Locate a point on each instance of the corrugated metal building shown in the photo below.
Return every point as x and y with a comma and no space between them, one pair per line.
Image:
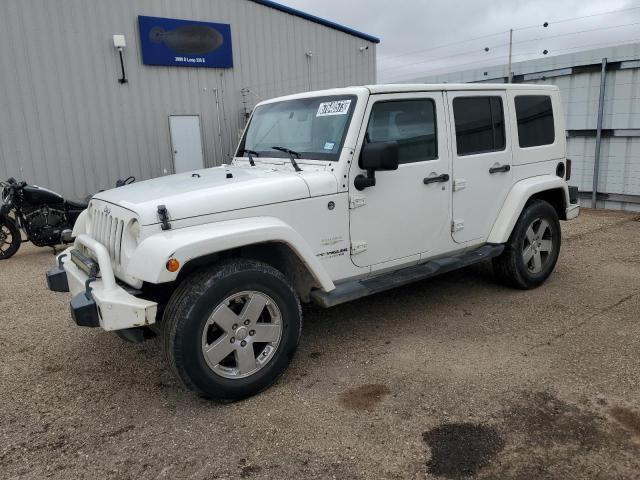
67,123
578,76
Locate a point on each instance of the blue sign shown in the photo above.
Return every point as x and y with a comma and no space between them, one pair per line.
185,43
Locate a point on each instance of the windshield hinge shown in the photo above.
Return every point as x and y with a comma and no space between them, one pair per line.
163,216
457,225
358,247
357,201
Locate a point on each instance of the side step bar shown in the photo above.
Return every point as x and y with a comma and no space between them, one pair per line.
355,289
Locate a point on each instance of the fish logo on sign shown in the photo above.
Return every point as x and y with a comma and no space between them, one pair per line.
188,39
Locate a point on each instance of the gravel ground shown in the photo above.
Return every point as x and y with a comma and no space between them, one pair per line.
454,377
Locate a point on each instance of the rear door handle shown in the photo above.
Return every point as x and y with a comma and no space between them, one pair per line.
501,168
440,178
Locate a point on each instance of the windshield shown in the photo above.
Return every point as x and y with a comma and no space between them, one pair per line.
313,127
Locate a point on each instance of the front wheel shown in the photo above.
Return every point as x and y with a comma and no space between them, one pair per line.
230,330
10,238
533,248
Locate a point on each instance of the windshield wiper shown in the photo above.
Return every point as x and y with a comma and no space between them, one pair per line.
291,154
251,153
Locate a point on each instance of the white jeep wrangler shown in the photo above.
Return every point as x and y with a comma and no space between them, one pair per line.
332,196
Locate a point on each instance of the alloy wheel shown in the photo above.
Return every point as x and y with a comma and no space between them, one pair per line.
242,334
538,245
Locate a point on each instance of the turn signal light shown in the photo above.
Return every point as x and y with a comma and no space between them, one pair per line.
173,265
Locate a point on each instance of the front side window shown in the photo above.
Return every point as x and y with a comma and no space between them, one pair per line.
412,123
479,124
535,120
314,127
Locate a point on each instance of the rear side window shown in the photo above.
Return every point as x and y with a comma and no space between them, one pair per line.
535,120
479,124
412,123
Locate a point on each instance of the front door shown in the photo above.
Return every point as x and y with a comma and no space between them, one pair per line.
482,173
401,216
186,143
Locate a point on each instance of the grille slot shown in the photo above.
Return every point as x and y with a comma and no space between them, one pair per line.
107,229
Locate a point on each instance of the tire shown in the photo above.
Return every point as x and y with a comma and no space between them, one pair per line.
10,239
532,251
206,313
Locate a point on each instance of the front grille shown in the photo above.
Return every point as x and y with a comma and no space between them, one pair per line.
107,229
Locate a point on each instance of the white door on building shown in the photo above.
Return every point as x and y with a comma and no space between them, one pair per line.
186,143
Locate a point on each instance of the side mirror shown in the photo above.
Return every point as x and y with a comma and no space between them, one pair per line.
376,156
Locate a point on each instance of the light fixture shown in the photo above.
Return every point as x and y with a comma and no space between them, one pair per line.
119,43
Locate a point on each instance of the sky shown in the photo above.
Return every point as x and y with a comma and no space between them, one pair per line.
427,37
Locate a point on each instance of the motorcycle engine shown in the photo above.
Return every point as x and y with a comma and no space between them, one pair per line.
45,224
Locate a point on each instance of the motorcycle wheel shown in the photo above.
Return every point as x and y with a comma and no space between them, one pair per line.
10,239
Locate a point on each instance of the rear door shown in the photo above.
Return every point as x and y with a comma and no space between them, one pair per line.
482,175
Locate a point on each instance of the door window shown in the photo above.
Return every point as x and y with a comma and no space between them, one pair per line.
479,124
412,123
535,120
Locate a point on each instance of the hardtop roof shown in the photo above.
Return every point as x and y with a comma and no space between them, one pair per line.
413,87
422,87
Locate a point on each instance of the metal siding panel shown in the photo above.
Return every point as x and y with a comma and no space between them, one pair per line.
68,124
580,150
620,166
9,102
21,107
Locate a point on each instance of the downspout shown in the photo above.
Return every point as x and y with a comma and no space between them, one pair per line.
215,91
596,158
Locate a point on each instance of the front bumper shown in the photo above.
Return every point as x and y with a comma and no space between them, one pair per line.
101,302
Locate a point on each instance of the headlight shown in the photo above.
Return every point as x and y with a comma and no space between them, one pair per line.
134,227
82,224
131,237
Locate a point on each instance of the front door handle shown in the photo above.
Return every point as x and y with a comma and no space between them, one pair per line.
440,178
501,168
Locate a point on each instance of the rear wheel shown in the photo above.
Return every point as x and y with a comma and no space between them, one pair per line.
230,330
532,251
10,239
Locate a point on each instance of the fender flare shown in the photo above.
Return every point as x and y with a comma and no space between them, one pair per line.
185,244
517,198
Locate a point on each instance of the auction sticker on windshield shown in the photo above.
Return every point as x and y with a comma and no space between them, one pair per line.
336,107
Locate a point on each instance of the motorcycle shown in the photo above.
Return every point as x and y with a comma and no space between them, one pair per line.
43,215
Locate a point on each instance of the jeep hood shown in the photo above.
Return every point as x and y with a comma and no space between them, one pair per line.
215,190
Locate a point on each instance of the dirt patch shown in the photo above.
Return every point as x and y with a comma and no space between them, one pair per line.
249,470
459,450
444,366
547,420
627,418
120,431
549,438
363,398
